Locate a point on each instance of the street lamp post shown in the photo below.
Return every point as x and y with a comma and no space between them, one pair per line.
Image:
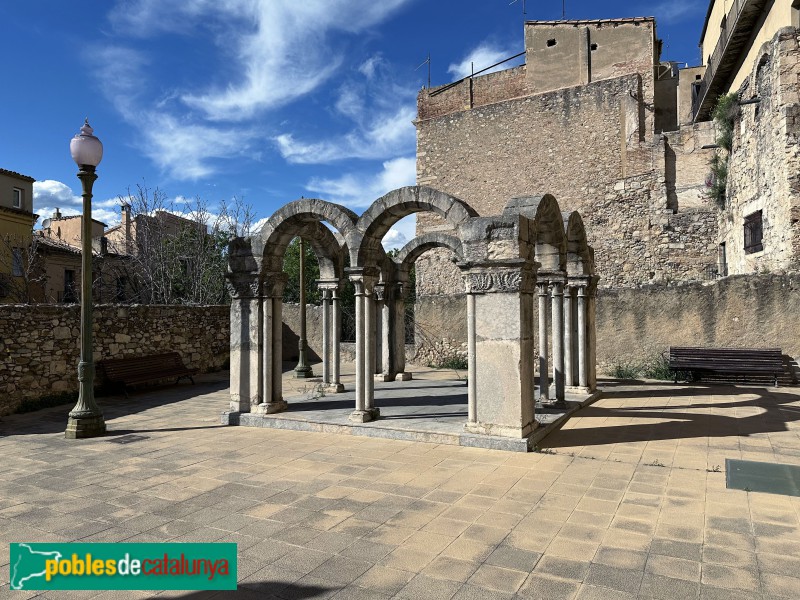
86,419
303,369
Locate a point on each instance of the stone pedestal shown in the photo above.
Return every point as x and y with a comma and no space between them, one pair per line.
502,375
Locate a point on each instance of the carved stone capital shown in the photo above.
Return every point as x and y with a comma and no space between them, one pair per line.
489,281
243,285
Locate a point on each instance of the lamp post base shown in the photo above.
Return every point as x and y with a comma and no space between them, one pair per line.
304,372
85,427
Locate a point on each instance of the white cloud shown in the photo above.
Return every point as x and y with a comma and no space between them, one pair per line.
370,66
403,232
279,49
484,55
50,194
274,51
360,190
386,135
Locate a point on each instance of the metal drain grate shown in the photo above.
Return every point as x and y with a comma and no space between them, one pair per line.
128,439
771,478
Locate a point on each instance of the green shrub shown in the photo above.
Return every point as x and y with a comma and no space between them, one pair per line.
455,362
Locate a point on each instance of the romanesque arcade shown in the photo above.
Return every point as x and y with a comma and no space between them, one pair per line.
530,287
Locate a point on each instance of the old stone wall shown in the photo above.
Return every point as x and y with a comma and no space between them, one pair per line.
643,204
764,166
635,325
39,344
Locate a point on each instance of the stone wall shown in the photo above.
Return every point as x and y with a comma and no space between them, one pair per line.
40,343
634,325
764,166
643,203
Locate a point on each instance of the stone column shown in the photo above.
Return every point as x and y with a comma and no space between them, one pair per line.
365,347
472,373
569,370
378,302
544,382
272,342
503,372
326,336
398,316
246,348
583,373
369,352
331,333
557,291
336,334
591,334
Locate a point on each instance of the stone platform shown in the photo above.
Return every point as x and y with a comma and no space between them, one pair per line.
422,410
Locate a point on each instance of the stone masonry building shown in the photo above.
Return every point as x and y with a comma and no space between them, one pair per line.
597,118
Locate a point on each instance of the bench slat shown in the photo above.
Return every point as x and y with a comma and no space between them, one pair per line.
140,369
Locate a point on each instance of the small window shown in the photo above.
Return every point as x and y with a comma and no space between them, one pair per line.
551,43
16,262
16,200
753,233
593,47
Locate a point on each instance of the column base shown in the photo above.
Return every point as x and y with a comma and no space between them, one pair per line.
499,430
303,373
361,416
545,404
579,389
85,427
385,377
270,408
405,376
334,388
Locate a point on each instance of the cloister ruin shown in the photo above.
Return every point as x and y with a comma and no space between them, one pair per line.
531,249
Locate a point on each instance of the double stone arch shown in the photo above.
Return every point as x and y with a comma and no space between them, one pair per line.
504,254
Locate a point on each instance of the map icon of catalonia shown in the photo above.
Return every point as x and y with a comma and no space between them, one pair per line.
29,565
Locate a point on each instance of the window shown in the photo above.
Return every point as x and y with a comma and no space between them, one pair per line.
796,13
70,294
16,262
753,233
551,43
16,199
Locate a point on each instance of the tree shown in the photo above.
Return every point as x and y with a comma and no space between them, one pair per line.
178,250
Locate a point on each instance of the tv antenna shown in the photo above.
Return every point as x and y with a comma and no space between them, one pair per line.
427,61
524,12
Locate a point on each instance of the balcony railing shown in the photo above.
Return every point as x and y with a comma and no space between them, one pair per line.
735,31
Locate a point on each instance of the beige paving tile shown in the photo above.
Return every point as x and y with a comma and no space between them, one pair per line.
453,569
498,578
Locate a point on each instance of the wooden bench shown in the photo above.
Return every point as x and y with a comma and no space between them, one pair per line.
726,361
141,369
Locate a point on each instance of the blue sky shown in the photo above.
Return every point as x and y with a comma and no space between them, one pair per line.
262,99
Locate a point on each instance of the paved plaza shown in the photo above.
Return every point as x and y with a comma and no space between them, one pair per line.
628,500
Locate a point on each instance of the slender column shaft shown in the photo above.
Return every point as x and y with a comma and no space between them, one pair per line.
369,351
377,307
277,349
472,363
569,366
583,373
544,383
591,337
360,347
387,355
326,336
303,369
336,325
268,349
558,340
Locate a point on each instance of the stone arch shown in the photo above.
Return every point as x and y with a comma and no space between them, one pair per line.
305,218
578,259
387,210
421,244
547,229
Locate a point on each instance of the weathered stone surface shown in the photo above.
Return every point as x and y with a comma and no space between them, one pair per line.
40,343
